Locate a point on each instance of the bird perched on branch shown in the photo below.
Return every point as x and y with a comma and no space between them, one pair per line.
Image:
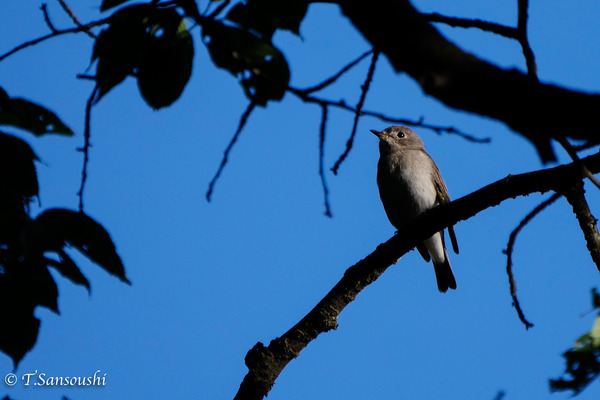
410,183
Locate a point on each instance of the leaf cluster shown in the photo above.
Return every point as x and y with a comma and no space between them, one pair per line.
152,43
30,246
583,360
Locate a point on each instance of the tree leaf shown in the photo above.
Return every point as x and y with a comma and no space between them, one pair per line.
67,268
19,326
166,62
29,116
17,169
262,68
266,16
107,4
87,235
119,47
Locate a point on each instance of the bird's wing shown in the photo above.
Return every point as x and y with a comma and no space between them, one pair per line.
443,198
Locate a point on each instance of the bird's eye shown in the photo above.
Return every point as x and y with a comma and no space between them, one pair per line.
401,134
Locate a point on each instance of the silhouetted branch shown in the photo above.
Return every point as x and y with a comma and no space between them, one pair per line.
266,363
233,141
509,252
575,195
492,27
575,157
358,112
335,77
523,41
74,18
463,81
55,33
519,33
342,105
86,144
44,8
322,161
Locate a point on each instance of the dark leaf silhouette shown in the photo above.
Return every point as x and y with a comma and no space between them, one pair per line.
67,268
82,232
266,16
165,65
118,48
18,178
29,116
261,67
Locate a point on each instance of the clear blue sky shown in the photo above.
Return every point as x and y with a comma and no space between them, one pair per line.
212,279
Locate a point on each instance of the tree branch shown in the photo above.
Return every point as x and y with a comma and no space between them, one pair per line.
509,250
322,131
358,112
266,363
462,81
86,144
55,33
575,195
242,123
300,93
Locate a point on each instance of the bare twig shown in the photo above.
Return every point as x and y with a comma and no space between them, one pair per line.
265,363
358,112
86,145
509,252
523,41
218,10
335,77
342,105
74,18
575,195
575,157
321,160
519,33
44,8
492,27
233,141
56,33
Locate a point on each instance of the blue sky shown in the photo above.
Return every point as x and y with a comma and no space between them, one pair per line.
212,279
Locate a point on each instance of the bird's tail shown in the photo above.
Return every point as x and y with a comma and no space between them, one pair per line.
443,274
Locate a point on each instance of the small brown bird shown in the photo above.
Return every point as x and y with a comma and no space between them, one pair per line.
410,183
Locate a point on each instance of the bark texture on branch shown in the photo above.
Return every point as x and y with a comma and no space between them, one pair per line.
587,222
266,363
462,81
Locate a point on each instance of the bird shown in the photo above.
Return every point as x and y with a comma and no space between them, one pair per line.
410,183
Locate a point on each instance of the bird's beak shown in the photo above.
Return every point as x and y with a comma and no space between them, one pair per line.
376,133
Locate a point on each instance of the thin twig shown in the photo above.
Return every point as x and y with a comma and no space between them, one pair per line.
519,33
234,139
74,18
342,105
522,38
509,251
44,8
492,27
321,160
335,77
575,157
358,112
86,145
58,32
218,10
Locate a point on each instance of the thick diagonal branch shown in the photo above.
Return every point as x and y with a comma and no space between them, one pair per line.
462,81
266,363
